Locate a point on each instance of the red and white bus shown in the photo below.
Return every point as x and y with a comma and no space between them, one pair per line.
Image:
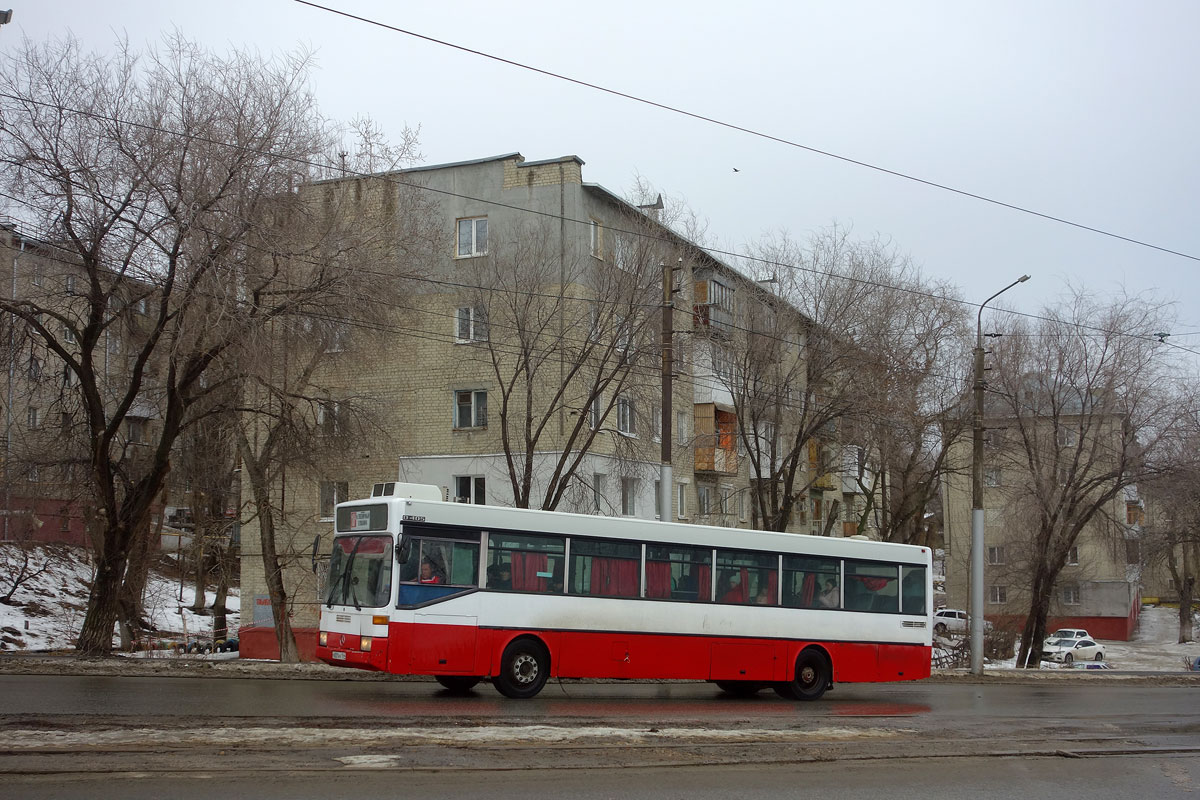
417,586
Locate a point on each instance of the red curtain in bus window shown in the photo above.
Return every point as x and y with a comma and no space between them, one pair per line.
615,577
773,586
872,583
704,578
525,569
808,590
658,579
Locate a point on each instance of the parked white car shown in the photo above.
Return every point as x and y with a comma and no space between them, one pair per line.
953,620
1066,633
1068,651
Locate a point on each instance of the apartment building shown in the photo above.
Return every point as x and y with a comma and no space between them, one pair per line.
1099,586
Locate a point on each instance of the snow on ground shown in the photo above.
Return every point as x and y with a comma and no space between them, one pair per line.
1153,648
46,611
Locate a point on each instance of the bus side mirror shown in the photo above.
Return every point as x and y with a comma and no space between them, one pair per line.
404,551
316,549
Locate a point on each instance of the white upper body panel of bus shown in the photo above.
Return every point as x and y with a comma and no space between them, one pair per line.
402,510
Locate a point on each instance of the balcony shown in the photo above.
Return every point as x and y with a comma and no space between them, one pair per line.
716,440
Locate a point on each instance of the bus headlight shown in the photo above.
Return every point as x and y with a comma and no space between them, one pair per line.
324,638
365,644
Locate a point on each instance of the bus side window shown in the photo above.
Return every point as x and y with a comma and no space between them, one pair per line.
912,590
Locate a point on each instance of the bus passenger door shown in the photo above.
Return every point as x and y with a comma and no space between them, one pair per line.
443,644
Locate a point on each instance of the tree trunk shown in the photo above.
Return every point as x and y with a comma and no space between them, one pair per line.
133,587
96,634
219,609
1186,593
1034,631
288,652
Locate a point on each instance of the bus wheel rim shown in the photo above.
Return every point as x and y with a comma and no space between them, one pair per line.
525,668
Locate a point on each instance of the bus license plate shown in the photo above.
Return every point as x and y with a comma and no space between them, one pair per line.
338,655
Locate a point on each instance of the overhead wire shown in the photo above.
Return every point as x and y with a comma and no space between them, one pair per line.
742,129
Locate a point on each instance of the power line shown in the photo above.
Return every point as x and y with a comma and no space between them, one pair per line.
750,131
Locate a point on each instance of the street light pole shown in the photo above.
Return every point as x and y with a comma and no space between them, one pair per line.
976,607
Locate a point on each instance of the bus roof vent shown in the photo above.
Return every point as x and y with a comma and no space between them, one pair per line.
416,491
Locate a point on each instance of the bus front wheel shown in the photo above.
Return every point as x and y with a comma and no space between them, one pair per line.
813,676
458,683
524,668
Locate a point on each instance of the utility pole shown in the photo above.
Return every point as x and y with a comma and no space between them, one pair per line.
666,484
976,607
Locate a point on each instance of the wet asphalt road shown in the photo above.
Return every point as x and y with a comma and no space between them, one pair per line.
80,736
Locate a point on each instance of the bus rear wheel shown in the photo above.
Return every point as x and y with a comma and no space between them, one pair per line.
458,683
740,688
524,668
813,677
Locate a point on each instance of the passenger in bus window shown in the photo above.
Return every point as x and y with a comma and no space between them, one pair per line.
730,589
429,574
499,576
829,598
763,598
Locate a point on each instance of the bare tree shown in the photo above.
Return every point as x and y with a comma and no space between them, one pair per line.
351,243
1087,398
569,344
154,174
802,368
913,345
1171,529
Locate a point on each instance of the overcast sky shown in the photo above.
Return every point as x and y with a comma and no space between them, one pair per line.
1082,110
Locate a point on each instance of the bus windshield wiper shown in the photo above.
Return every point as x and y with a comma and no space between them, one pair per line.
344,579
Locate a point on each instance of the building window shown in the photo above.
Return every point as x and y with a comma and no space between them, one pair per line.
470,489
656,422
1133,551
704,501
726,499
995,555
68,335
596,235
69,376
35,368
472,237
37,275
332,493
720,295
1073,556
470,409
992,476
33,418
681,499
1067,437
658,500
471,325
1133,514
595,413
135,430
628,496
997,594
626,421
31,475
598,492
1070,594
70,284
327,417
681,427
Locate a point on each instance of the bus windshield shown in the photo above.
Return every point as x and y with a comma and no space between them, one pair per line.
360,571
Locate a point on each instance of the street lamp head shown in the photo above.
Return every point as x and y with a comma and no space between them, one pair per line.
1022,279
